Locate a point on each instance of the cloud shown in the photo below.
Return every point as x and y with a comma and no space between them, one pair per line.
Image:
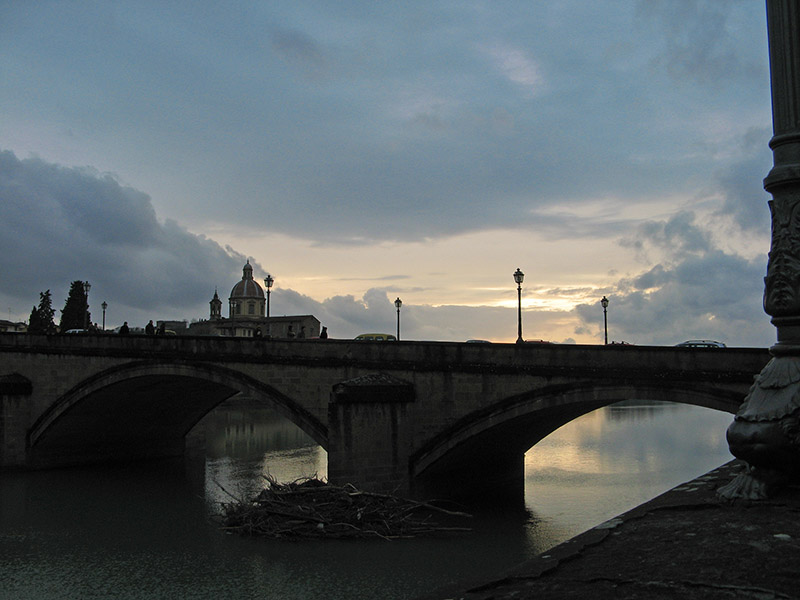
740,183
696,291
517,66
59,224
698,40
300,49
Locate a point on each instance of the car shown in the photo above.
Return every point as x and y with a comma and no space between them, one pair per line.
700,344
376,337
72,331
478,342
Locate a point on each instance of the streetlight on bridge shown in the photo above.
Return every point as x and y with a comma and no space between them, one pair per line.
604,302
398,303
518,277
268,281
86,287
104,306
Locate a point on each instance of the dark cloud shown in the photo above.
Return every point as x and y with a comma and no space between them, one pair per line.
679,235
741,184
60,224
699,43
301,50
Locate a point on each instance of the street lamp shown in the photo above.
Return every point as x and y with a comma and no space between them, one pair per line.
268,281
86,287
398,303
604,302
104,305
518,277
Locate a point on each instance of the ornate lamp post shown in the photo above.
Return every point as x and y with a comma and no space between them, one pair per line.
518,277
398,303
86,287
604,302
764,430
104,306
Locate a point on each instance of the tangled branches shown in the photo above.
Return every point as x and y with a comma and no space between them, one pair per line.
310,508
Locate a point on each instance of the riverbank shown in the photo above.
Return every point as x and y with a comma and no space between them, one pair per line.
683,544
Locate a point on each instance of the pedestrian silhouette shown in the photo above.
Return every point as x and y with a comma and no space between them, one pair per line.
302,333
150,329
124,330
323,335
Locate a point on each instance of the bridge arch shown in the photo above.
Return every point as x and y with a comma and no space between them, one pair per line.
145,409
482,442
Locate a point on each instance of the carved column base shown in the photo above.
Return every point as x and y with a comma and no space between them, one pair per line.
765,432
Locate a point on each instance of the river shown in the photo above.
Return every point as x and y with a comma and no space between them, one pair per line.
144,531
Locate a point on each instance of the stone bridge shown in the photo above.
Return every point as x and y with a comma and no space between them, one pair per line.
408,416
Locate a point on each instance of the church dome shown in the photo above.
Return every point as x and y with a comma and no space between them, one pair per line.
247,287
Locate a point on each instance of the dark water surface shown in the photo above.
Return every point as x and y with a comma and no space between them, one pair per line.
145,531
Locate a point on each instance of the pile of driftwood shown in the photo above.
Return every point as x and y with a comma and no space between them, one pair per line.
311,508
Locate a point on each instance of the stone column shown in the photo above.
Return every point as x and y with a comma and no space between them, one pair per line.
766,430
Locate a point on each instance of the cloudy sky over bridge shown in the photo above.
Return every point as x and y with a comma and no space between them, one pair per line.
361,151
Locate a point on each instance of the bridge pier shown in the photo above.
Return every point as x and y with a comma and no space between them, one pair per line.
369,433
15,391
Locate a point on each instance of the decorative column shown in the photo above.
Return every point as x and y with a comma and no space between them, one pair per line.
766,430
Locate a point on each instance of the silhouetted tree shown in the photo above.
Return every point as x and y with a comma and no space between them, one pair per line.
75,314
41,319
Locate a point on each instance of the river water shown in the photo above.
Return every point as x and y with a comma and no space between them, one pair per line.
145,532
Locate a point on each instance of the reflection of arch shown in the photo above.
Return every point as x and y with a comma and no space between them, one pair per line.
504,431
146,409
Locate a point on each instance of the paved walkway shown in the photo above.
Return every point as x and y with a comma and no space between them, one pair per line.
683,544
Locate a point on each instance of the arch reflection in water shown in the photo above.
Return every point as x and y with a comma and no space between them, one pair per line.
615,458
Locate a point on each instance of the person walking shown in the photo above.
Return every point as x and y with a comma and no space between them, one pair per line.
149,329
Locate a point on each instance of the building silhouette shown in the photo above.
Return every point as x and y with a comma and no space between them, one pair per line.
247,315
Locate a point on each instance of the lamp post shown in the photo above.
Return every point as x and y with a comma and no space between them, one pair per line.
268,281
104,306
398,303
604,302
518,277
86,287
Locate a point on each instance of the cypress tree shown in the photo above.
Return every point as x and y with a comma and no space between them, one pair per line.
41,319
75,314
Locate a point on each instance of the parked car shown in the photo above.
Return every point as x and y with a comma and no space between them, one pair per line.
700,344
377,337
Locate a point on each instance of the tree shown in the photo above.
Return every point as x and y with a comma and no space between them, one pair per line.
41,319
75,314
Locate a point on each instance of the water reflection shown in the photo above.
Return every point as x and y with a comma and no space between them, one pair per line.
613,459
143,531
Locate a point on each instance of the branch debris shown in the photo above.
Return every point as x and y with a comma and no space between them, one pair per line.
309,508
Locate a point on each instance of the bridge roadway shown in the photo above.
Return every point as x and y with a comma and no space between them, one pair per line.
408,416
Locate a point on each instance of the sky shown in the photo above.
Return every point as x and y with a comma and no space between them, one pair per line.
364,151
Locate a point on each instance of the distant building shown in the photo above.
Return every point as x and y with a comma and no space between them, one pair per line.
179,327
247,315
12,327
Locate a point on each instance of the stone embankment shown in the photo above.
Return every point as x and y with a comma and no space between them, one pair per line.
683,544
